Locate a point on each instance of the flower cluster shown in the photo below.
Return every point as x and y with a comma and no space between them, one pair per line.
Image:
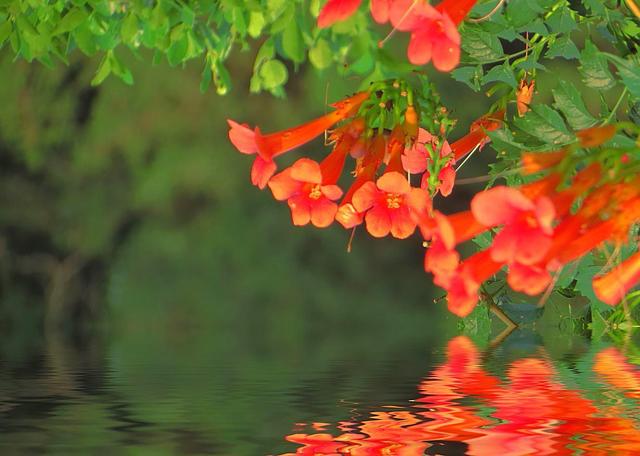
538,227
537,233
532,412
433,30
380,131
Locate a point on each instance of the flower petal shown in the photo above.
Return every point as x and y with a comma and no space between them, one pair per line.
545,213
419,203
380,10
323,212
283,186
407,15
402,225
378,222
442,262
337,10
420,48
300,210
348,217
261,171
242,137
531,280
333,192
447,177
393,182
446,48
306,170
414,159
499,205
365,197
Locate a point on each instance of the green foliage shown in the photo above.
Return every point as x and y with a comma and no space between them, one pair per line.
579,52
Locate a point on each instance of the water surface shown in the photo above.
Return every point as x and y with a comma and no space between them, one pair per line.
188,392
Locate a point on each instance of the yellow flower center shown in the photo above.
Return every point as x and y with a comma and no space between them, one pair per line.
393,200
315,192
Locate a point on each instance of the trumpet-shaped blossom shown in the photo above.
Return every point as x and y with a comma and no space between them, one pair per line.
526,236
524,95
477,136
612,287
389,204
463,288
528,279
595,136
309,197
267,147
533,162
434,35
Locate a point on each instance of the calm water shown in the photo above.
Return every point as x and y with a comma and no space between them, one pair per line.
130,393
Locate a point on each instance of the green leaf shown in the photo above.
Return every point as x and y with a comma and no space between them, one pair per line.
563,47
120,70
178,47
629,72
481,45
273,74
594,68
502,141
266,52
292,42
522,12
503,73
256,24
70,21
320,55
562,21
5,31
545,124
129,29
469,75
104,70
569,101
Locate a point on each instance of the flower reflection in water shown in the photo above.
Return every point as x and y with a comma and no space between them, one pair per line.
463,409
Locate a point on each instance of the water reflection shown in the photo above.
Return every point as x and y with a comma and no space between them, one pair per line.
163,392
531,406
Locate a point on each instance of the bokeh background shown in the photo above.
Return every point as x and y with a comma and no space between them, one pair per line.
144,280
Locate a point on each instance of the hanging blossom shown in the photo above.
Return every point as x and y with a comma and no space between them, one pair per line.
398,164
267,147
434,30
389,204
539,234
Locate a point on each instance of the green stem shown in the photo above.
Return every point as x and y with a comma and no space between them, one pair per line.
617,105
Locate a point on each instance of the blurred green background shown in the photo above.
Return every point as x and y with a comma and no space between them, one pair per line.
129,204
154,302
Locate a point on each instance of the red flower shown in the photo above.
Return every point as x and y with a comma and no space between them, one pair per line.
389,204
380,10
434,36
442,262
531,280
373,157
477,136
462,292
457,10
612,287
524,95
533,162
526,236
267,147
595,136
337,10
310,198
